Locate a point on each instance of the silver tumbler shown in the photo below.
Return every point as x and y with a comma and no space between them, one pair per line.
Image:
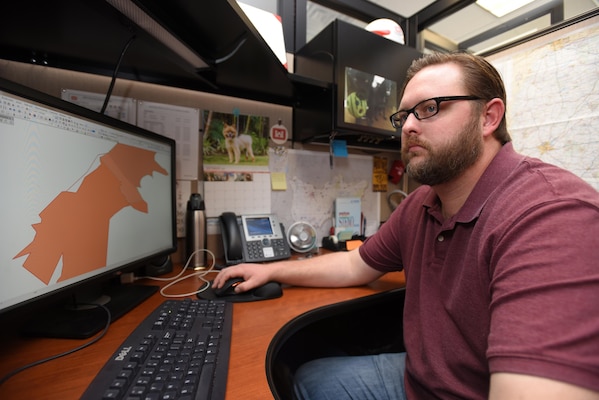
195,232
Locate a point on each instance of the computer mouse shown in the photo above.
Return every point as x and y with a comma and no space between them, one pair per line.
228,289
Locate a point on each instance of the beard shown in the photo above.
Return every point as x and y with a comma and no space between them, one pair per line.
448,162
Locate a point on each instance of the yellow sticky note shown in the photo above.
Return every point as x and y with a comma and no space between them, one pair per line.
278,180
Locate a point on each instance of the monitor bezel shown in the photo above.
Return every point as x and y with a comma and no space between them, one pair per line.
54,296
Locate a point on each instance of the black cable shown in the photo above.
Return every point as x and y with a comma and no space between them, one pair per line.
54,357
240,43
115,72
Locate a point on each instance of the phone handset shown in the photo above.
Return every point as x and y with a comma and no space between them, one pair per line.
231,234
253,238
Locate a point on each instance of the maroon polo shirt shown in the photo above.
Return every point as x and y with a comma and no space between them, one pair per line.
508,284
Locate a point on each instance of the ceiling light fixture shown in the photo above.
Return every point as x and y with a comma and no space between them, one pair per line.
499,8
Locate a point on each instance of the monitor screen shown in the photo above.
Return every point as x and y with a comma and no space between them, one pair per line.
369,100
83,196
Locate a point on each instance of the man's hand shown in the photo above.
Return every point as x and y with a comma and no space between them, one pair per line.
253,275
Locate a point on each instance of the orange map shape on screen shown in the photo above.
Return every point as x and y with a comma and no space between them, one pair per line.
75,225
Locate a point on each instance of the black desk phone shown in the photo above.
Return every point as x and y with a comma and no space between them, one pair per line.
253,238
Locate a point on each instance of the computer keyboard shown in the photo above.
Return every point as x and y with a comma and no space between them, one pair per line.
180,351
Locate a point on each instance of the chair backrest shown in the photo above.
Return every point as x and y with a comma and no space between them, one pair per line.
367,325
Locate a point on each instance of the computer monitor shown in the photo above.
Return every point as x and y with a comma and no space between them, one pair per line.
85,197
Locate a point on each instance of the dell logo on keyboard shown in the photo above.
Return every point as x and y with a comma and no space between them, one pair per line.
123,353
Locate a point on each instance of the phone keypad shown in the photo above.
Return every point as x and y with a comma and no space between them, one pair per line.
265,249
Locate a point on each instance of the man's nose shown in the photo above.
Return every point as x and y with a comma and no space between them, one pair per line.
410,124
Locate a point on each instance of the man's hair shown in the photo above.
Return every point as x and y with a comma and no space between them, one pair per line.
481,79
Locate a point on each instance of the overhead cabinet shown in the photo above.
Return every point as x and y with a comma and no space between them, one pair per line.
365,72
199,45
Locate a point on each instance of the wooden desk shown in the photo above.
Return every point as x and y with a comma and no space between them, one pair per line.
254,325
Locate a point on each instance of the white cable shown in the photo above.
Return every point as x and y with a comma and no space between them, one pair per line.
176,279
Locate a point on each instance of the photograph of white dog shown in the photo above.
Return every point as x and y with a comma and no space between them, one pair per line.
235,141
236,144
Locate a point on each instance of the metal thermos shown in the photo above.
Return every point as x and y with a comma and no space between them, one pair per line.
195,228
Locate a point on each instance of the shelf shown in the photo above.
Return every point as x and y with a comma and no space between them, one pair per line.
219,30
90,35
230,56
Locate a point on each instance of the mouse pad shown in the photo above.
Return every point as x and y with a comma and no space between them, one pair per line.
271,290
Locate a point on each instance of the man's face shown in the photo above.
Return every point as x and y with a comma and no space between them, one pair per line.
436,150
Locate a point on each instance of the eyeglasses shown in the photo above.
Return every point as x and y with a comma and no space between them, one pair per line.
425,109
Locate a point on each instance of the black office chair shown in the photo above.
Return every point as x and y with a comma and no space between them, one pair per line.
367,325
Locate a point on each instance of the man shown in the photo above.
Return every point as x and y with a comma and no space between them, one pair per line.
500,253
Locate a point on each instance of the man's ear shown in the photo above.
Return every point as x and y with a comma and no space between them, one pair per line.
494,111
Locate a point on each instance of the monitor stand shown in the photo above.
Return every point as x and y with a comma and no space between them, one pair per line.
84,321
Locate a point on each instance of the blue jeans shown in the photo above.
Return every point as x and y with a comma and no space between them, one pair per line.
379,377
